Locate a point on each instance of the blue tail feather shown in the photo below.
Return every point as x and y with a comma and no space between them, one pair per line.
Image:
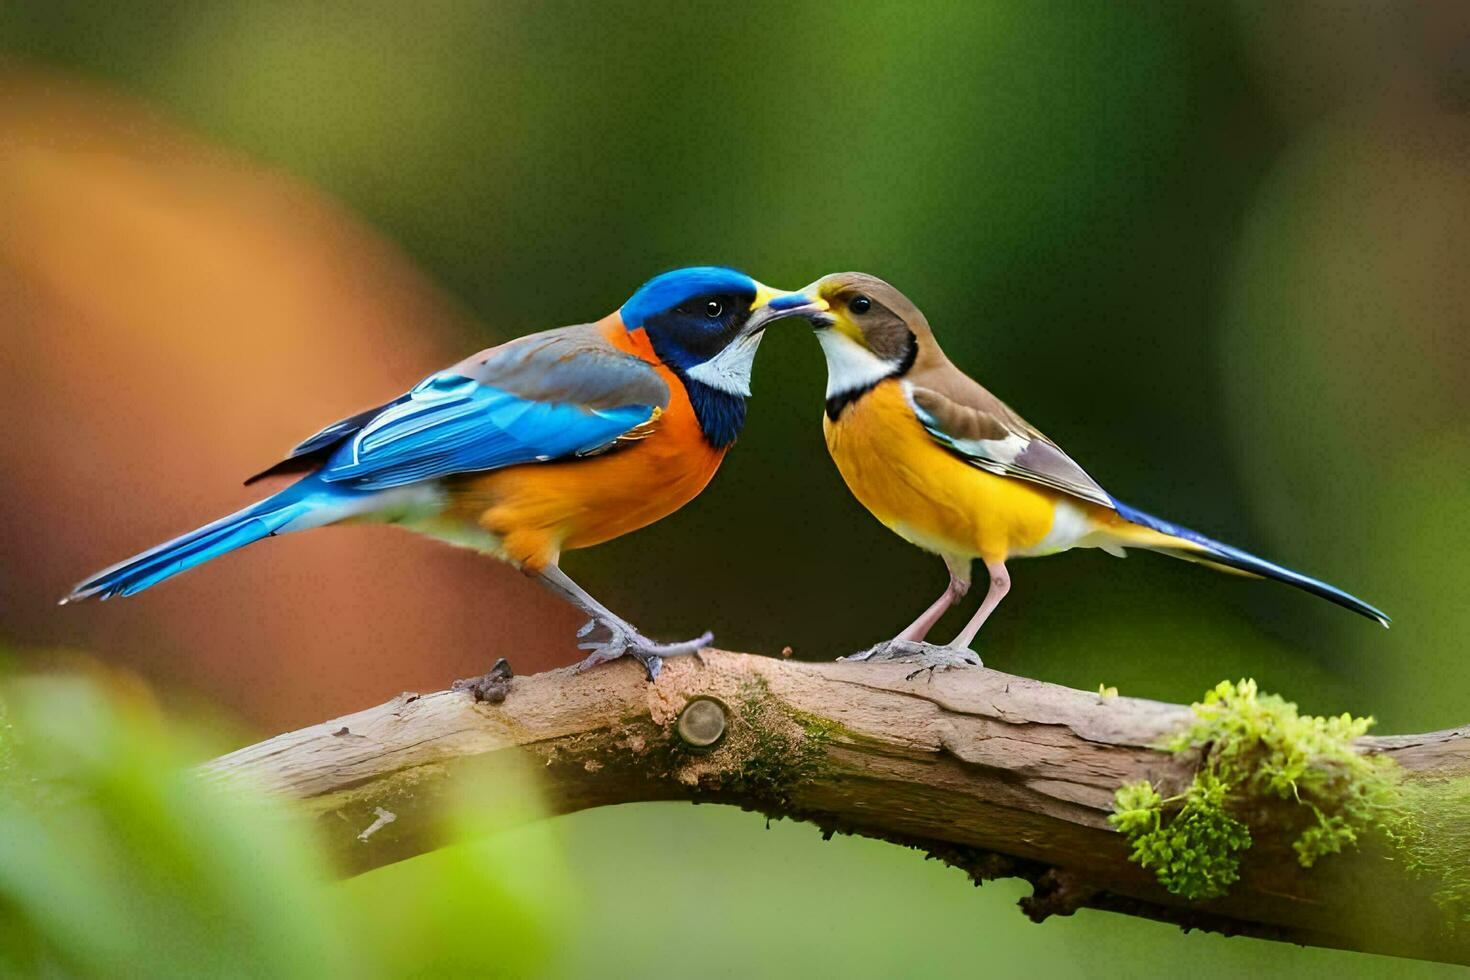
142,571
1223,554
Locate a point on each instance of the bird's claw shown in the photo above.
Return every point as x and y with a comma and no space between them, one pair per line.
926,655
622,640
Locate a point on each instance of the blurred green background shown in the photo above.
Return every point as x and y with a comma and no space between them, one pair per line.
1217,251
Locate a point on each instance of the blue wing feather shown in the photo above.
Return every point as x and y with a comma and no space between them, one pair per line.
453,424
549,395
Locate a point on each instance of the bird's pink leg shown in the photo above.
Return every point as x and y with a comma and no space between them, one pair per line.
909,646
959,584
1000,584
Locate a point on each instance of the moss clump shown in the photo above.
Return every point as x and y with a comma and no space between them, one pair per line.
1255,747
1193,853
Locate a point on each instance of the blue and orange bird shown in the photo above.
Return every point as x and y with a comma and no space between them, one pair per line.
550,442
949,467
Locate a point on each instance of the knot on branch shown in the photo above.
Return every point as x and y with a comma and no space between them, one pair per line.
702,722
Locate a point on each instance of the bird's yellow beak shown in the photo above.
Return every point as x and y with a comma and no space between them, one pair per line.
818,291
771,305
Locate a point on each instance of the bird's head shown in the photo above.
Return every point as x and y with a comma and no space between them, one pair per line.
705,322
868,330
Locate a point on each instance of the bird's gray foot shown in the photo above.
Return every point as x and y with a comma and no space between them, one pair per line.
926,656
609,639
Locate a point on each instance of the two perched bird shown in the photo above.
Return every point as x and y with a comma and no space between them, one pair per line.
574,436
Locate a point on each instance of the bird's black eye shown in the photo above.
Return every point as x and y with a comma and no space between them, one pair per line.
713,309
860,304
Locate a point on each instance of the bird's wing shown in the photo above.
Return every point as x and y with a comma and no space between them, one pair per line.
982,430
548,396
315,449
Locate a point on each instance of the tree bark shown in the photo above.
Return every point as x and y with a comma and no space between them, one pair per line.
995,774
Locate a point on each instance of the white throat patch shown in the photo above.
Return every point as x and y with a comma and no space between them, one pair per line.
850,365
729,370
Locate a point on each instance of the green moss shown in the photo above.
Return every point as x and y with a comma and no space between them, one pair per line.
1193,853
785,747
1255,747
821,730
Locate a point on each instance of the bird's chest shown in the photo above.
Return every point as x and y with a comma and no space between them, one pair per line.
886,458
584,501
923,492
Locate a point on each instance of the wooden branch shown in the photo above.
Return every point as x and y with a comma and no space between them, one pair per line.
998,775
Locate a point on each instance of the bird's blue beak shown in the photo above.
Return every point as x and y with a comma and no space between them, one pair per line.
789,301
771,305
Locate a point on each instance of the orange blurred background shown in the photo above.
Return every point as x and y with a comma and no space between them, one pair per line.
176,318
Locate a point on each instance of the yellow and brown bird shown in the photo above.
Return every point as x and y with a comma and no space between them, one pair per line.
951,468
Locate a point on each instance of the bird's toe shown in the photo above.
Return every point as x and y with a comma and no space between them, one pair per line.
926,656
609,640
682,648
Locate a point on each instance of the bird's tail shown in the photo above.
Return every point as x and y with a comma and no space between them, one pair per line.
1142,530
296,506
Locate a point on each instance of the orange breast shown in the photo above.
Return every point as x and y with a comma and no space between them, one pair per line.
539,510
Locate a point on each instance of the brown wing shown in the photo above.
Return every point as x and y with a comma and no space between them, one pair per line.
984,431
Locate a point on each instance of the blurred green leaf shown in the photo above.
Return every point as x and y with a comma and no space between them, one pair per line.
115,857
123,857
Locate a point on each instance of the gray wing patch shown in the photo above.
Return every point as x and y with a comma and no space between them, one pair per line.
570,365
1001,442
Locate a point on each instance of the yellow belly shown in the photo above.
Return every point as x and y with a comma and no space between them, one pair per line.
923,492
